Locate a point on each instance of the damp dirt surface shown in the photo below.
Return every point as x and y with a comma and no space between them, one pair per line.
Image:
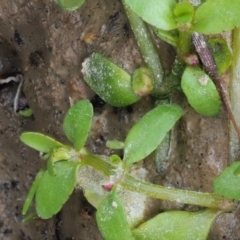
48,45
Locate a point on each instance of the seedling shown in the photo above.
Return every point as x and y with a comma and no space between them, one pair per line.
26,112
186,21
53,185
176,23
180,24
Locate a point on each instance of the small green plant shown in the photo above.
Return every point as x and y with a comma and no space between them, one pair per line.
53,185
180,24
196,70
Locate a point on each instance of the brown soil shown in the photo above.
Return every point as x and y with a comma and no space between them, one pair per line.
48,46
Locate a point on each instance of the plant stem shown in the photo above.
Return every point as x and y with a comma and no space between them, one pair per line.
162,151
234,151
210,65
184,44
174,77
96,162
147,48
209,200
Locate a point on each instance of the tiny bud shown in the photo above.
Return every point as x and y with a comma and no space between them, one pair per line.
192,60
142,82
107,186
115,159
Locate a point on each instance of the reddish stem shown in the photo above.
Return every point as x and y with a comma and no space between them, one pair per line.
211,67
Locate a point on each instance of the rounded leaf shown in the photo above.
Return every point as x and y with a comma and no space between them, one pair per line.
112,220
201,92
183,13
216,16
176,225
40,142
70,5
53,191
110,82
155,12
77,122
227,183
147,134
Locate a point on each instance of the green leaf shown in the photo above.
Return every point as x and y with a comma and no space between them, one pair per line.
110,82
40,142
147,134
115,159
114,144
227,183
171,37
216,16
26,113
32,192
183,13
201,92
53,191
112,220
155,12
221,53
77,123
58,154
176,225
70,5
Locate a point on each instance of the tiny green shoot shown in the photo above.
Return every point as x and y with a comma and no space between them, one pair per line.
26,112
